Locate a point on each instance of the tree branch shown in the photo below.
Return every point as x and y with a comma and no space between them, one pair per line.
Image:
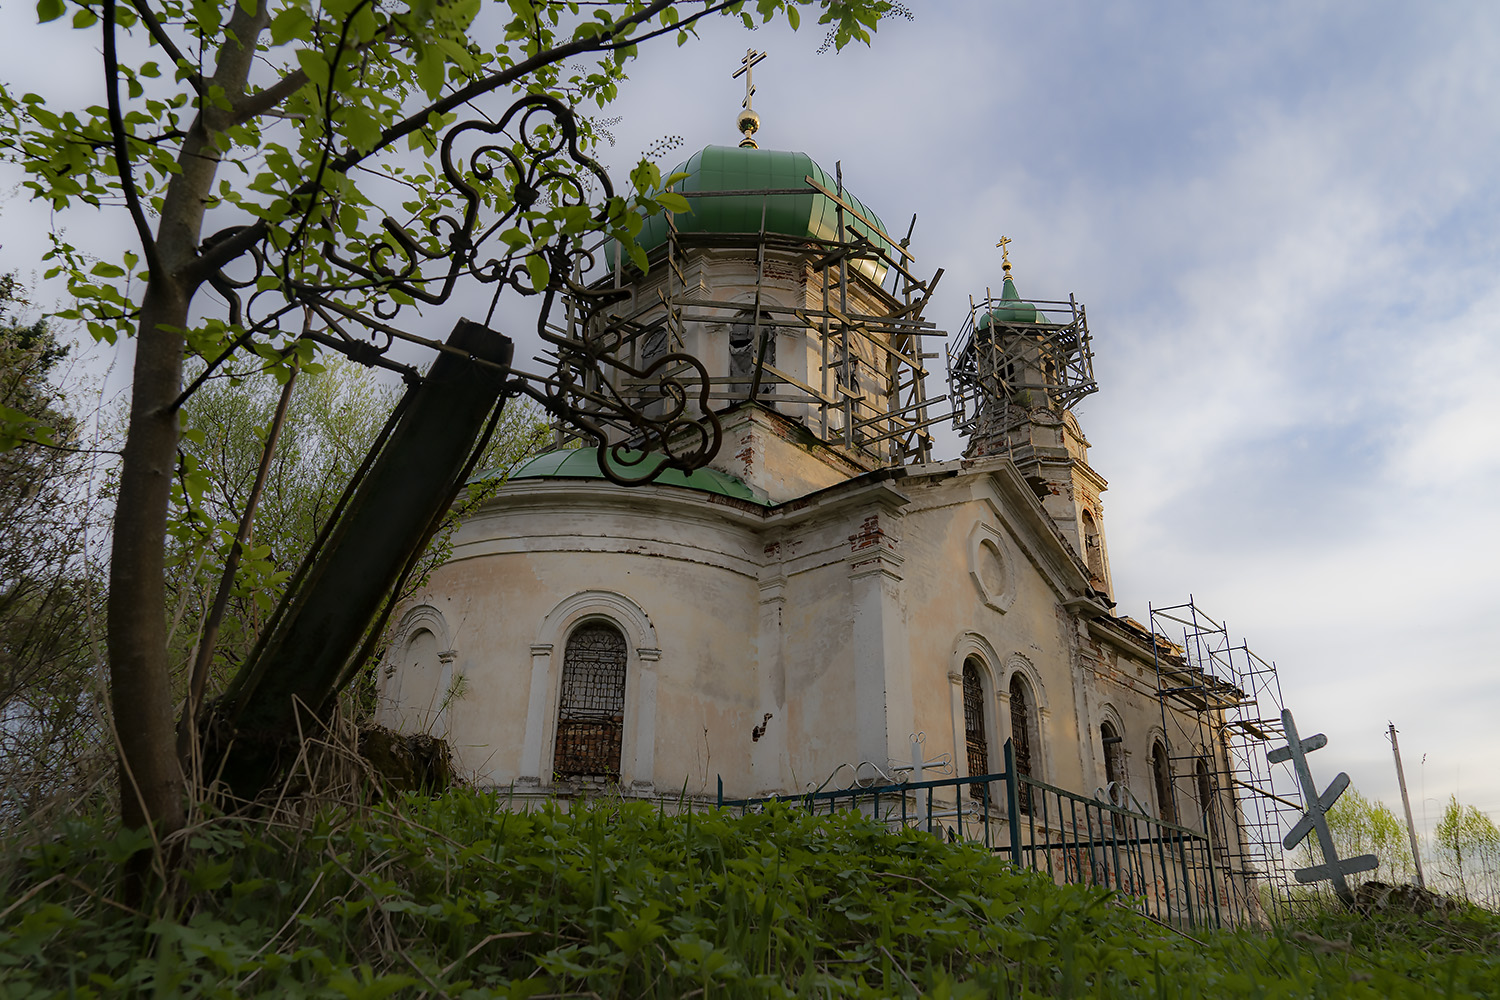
496,80
121,140
160,36
259,103
227,250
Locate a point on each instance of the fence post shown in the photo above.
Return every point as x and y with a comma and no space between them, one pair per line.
721,790
1012,803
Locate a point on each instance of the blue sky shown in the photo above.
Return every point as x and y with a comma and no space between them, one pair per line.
1283,220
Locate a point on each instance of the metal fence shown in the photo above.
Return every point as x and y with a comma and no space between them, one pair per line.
1167,872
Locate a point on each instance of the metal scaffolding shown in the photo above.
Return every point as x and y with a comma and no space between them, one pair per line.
863,388
1011,357
1221,712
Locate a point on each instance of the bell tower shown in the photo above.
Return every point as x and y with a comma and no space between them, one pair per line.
1015,371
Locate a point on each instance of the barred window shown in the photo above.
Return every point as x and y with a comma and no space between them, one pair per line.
975,735
1021,731
1161,771
591,710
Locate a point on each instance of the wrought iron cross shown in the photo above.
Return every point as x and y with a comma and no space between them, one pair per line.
747,65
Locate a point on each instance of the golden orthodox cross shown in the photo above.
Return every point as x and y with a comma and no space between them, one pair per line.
1004,245
746,65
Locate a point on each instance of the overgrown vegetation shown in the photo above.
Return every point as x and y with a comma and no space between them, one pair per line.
457,896
50,593
334,414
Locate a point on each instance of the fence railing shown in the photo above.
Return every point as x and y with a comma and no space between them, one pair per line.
1168,872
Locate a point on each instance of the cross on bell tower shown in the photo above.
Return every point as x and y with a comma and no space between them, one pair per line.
748,122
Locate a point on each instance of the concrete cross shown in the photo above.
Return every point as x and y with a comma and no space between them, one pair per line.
1333,868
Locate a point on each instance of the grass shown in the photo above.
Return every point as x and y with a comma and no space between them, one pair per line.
456,896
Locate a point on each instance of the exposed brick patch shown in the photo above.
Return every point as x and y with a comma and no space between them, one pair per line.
869,533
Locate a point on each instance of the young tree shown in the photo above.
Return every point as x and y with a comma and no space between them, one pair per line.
1468,850
282,120
332,417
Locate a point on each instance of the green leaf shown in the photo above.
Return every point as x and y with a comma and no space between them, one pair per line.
291,22
536,266
432,70
673,202
49,10
312,63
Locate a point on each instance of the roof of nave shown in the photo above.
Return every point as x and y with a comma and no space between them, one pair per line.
583,463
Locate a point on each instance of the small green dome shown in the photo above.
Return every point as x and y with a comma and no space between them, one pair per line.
1011,308
737,168
583,463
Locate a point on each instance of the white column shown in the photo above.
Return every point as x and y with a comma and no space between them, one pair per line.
537,702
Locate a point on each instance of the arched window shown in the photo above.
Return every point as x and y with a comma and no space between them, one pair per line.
1161,772
1114,766
976,733
1022,734
744,344
1093,548
591,708
1207,801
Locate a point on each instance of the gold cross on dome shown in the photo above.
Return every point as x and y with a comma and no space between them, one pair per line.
1004,245
746,65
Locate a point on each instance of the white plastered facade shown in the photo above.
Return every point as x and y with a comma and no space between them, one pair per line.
773,642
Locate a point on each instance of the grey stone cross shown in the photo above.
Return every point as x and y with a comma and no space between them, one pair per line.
1333,868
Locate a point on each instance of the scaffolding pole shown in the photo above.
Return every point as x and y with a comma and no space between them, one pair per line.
1221,711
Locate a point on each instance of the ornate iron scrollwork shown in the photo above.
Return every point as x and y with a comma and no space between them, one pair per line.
502,178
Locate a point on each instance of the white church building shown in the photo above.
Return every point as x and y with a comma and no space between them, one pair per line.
825,590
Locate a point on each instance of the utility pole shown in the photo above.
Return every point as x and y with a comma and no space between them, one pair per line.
1411,828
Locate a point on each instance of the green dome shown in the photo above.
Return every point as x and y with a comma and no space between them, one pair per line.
583,463
736,168
1011,308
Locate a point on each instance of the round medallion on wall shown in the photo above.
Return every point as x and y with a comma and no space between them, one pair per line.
990,567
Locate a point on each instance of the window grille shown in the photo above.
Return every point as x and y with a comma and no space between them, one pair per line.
974,729
1020,735
591,713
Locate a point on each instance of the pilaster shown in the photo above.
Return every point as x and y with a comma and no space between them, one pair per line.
536,716
883,701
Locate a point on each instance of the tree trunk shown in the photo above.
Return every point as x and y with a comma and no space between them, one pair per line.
151,786
151,778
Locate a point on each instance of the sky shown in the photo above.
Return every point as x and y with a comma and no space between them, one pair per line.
1284,220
